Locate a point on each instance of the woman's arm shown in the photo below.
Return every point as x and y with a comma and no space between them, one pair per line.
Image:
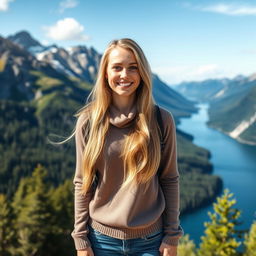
169,182
86,252
81,202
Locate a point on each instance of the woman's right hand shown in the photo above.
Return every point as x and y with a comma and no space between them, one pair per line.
85,252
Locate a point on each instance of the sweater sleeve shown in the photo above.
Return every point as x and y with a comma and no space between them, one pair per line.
169,181
81,202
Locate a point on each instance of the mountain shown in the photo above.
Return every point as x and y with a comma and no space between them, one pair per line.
235,114
36,101
82,62
79,61
232,104
235,88
26,41
202,91
212,90
25,78
16,79
172,100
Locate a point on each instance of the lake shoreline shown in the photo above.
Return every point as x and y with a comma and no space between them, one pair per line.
208,201
234,162
236,139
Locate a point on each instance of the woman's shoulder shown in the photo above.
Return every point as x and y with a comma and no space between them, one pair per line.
84,113
83,116
167,117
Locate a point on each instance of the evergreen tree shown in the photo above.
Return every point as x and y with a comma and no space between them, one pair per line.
62,202
33,214
186,247
250,241
220,235
7,233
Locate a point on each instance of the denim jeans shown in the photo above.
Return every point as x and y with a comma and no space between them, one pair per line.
103,245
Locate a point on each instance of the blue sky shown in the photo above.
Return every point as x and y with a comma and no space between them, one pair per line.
183,40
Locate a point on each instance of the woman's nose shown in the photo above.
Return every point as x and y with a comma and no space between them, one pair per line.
123,73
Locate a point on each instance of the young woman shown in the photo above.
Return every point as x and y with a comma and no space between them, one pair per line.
123,204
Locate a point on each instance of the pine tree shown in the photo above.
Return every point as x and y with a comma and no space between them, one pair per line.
186,247
33,214
7,233
62,203
220,234
250,241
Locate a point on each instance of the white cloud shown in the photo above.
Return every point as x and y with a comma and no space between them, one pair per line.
66,30
230,9
4,5
177,74
67,4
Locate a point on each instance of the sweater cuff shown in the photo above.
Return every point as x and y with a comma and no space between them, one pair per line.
81,243
170,240
173,239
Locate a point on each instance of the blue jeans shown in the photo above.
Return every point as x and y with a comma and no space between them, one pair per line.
103,245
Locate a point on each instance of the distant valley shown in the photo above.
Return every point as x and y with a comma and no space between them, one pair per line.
232,104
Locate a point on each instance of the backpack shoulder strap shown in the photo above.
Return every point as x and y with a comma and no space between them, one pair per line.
161,134
161,125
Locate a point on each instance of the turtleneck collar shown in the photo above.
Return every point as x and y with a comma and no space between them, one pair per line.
120,119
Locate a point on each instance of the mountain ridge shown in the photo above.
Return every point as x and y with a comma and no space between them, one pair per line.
231,107
82,63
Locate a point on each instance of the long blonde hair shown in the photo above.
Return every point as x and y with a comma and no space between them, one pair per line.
141,149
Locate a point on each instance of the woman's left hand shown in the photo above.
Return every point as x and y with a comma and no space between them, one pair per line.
168,250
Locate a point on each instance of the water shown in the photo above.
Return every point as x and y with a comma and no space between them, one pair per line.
234,162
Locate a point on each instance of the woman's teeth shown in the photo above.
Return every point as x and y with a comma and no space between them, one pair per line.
124,84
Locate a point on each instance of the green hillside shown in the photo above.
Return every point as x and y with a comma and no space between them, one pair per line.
228,113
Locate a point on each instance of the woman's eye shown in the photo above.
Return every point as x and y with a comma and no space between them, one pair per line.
117,68
133,68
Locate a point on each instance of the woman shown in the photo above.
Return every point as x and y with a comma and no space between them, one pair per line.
123,204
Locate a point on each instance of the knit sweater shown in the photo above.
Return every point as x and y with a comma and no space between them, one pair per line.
133,211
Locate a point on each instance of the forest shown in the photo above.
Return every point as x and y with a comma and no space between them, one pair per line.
38,220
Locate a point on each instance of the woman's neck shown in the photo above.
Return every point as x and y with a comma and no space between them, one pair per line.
123,104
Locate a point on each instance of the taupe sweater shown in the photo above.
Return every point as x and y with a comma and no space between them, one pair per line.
131,212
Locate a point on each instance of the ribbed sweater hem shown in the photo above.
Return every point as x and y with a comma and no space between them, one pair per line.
81,243
126,233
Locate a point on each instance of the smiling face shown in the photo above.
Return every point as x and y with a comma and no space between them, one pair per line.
122,73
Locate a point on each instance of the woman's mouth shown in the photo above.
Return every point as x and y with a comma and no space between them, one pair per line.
124,84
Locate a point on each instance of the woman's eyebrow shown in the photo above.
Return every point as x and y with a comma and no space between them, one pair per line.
119,63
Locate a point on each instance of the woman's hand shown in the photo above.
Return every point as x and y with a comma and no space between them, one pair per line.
85,252
168,250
